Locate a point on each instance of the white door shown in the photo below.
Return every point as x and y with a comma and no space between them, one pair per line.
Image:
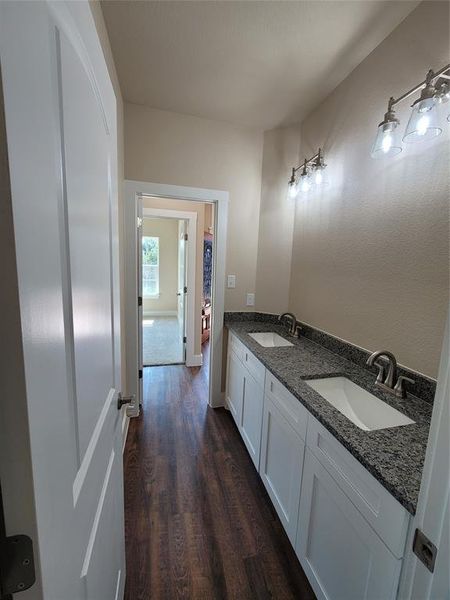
433,508
60,114
281,465
138,222
182,289
251,416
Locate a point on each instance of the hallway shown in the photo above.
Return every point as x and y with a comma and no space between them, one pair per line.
198,521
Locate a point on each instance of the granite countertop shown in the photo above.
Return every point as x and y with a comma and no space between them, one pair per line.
394,456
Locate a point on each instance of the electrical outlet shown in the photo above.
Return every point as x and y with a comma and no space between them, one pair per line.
231,283
250,299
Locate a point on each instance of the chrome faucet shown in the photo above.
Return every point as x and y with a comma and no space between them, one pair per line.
391,382
295,327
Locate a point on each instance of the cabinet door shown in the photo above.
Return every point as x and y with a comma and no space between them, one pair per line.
251,416
341,554
281,466
235,386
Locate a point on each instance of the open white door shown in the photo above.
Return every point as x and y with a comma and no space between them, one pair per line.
60,114
182,287
140,303
432,582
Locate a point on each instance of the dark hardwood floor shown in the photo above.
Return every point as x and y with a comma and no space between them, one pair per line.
199,523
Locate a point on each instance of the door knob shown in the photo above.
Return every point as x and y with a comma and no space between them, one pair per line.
121,400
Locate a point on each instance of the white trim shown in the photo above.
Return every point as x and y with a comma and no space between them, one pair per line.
135,189
197,361
191,218
159,313
125,426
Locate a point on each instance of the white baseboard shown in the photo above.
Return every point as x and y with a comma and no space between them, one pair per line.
196,360
160,313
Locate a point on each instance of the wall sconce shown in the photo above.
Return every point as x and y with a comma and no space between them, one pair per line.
312,175
423,123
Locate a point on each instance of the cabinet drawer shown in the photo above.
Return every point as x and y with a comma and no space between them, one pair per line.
291,408
380,509
236,346
256,368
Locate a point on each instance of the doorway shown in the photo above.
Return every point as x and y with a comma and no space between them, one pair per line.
164,290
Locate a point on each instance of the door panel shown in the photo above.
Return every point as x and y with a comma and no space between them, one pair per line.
281,465
235,387
251,416
62,146
341,554
87,167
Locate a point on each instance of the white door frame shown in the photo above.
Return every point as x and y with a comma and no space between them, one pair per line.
133,190
192,359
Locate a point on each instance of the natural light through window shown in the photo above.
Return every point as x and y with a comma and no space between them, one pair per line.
150,266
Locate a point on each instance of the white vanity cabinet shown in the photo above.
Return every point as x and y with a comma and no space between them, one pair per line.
245,394
348,531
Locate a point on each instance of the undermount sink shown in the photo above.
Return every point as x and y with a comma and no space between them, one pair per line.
269,339
363,409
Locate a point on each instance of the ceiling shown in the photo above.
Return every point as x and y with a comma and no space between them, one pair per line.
260,64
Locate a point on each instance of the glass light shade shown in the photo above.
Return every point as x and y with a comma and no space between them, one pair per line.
386,142
423,122
293,189
305,183
319,176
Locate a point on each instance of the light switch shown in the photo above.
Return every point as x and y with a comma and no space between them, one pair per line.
231,283
250,299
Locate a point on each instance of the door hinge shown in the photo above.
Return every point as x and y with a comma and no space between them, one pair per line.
425,550
185,289
139,222
16,561
184,339
140,373
139,300
17,565
186,237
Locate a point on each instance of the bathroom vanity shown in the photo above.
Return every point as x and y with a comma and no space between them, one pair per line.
344,493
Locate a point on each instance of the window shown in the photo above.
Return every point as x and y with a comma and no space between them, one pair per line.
150,266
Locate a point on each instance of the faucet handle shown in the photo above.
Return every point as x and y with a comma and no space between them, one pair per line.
381,372
399,388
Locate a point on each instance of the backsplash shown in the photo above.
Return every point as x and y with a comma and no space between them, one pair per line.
424,388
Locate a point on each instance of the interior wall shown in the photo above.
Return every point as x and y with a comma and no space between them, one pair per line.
370,257
166,147
199,208
276,221
167,232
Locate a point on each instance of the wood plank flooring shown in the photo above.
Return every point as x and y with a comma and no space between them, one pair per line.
198,521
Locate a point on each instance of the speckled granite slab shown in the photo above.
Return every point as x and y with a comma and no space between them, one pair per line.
394,456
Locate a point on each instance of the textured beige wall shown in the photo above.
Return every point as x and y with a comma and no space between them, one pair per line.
165,147
276,222
167,232
199,208
371,254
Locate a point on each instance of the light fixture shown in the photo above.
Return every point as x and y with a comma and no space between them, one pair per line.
386,142
424,120
312,174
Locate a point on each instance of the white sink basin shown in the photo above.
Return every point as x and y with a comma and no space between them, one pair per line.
268,339
363,409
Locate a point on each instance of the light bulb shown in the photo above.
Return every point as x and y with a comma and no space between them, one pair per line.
422,124
305,185
387,142
318,178
292,190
